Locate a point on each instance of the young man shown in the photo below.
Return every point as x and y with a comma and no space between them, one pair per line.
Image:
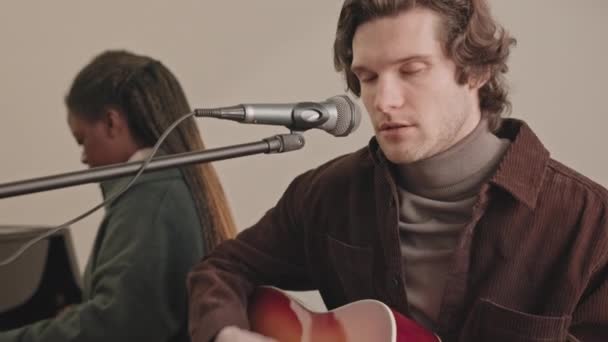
452,216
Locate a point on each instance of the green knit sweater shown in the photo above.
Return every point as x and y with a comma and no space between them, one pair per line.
135,280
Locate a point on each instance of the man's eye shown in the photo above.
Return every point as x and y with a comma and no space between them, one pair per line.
412,71
366,77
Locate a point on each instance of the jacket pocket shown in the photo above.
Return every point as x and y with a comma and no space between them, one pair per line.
494,322
353,265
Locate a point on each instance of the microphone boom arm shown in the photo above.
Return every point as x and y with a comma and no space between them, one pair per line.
275,144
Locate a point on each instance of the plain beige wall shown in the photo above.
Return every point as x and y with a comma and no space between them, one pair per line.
229,52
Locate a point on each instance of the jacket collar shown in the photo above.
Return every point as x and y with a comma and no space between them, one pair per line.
521,170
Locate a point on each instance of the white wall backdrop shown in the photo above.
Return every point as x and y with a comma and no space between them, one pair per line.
229,52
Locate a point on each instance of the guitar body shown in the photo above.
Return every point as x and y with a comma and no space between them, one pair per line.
275,314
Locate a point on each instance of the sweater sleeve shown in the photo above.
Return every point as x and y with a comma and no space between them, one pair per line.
138,282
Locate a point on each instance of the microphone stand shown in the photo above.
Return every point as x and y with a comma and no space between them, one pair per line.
275,144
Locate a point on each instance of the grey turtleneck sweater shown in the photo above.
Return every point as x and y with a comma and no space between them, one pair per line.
436,201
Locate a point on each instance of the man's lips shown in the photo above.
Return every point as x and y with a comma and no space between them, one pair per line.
388,126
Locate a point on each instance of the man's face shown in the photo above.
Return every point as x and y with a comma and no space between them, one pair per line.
409,87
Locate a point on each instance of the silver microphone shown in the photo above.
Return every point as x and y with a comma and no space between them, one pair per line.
338,115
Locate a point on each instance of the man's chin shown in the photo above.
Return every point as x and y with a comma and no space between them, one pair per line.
401,157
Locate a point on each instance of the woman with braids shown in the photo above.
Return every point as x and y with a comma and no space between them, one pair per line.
135,279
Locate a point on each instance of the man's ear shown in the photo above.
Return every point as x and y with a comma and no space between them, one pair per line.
115,122
479,79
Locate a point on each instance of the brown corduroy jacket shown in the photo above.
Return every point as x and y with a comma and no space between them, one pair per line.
531,265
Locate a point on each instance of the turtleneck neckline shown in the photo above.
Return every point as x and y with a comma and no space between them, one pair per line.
455,172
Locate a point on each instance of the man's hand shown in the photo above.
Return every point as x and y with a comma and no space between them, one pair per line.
234,334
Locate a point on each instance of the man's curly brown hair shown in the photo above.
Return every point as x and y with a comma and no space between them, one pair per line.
471,37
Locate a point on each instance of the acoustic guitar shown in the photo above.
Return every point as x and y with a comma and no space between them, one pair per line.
275,314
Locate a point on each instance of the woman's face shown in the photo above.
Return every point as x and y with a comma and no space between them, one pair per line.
102,141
